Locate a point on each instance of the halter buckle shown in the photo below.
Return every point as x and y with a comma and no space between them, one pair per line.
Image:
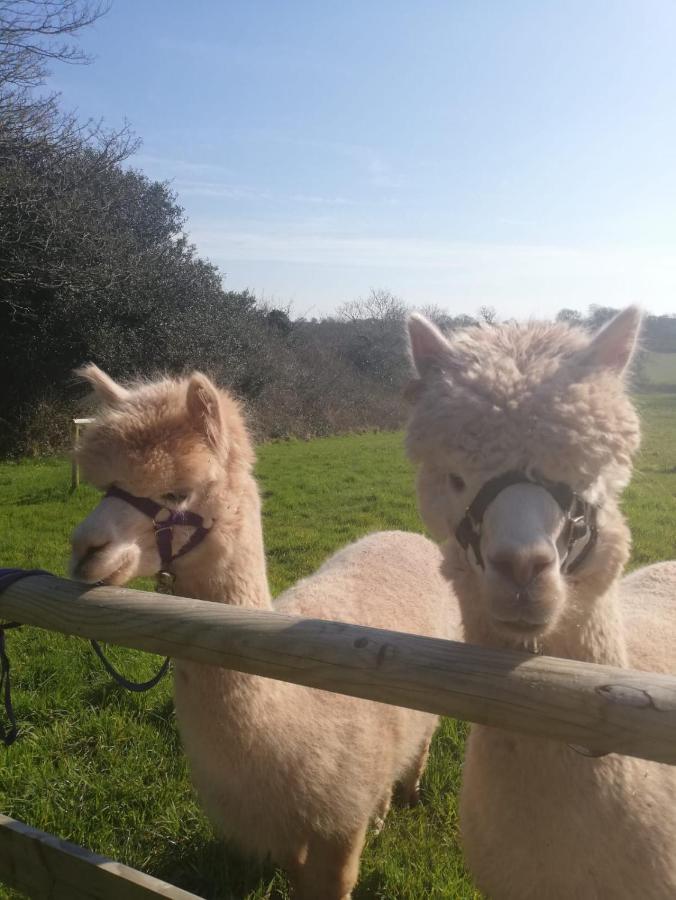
159,527
579,527
164,582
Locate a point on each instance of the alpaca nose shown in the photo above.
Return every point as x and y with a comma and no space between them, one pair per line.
85,543
522,565
83,554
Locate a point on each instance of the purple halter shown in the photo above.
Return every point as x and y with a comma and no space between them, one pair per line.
164,519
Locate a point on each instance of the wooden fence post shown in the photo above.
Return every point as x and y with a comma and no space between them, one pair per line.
75,438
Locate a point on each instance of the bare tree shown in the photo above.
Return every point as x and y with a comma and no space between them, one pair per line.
379,306
437,314
445,320
488,315
34,34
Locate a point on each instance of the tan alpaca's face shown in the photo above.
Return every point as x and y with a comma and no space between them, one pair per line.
165,441
543,400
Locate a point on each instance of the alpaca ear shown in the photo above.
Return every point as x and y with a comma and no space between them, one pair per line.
429,348
204,409
613,346
107,390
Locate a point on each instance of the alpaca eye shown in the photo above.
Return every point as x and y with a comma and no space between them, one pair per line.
456,482
173,498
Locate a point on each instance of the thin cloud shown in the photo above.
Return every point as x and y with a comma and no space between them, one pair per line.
537,277
168,167
241,192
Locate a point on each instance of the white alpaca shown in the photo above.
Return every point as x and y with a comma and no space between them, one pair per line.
528,413
283,770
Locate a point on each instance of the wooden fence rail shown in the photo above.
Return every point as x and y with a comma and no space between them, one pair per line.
601,708
41,865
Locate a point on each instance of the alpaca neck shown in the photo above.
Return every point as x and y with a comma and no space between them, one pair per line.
593,632
229,566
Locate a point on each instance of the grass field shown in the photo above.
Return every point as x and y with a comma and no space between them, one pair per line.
103,768
660,369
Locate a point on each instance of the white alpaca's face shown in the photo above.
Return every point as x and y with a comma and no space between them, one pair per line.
520,586
536,400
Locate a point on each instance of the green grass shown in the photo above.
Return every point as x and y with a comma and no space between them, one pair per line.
103,768
650,499
660,368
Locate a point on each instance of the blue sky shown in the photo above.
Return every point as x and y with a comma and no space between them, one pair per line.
465,152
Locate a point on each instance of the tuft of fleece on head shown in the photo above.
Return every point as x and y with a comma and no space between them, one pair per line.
543,396
160,434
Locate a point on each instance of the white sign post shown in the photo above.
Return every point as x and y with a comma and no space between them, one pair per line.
74,468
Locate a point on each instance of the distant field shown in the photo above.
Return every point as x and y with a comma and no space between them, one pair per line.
103,768
660,369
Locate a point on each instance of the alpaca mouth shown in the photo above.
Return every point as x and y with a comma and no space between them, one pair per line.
92,569
119,577
521,627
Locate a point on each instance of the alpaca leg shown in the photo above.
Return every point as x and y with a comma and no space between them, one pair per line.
331,868
381,812
410,784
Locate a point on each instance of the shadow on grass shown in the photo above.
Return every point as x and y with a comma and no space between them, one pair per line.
43,495
113,696
216,871
369,886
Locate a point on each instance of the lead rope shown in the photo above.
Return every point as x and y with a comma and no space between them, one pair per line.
8,734
164,586
137,686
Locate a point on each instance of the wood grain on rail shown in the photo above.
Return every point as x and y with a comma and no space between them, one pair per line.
43,866
601,708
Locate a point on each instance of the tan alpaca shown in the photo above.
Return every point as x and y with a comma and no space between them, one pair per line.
539,820
283,770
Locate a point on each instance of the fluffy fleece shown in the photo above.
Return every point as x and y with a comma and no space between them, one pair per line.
283,770
537,818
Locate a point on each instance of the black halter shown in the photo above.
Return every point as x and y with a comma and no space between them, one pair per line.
578,535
